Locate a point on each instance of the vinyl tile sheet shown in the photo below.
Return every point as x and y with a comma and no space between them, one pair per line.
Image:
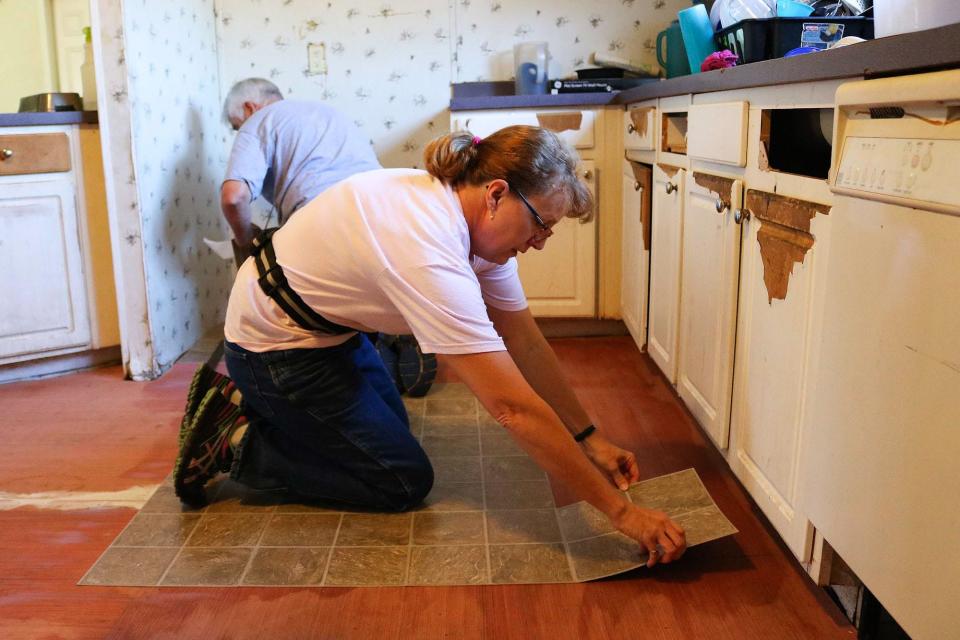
490,519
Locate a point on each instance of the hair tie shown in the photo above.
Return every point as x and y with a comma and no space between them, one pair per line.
477,140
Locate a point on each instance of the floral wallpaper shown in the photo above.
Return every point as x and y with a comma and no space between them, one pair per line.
161,64
390,64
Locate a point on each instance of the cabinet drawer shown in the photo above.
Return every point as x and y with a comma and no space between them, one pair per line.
639,129
718,132
34,153
572,125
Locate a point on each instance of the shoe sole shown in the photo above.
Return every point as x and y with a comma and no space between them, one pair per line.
204,379
188,480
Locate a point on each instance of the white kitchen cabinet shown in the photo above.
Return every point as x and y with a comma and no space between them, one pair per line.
575,126
640,127
717,132
43,293
635,249
771,381
665,266
710,250
57,293
560,280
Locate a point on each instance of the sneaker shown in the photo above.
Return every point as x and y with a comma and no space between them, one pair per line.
417,369
205,450
204,379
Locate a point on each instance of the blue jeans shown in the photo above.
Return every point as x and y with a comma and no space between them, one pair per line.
327,425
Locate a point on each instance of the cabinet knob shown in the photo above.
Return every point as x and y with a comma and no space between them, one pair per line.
6,153
720,205
631,128
588,175
741,215
637,186
671,188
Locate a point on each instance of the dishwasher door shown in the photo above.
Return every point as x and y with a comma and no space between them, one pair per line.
881,462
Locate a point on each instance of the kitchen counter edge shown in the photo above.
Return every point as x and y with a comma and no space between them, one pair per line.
32,119
920,51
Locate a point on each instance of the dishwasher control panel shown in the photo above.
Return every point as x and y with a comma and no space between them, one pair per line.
912,169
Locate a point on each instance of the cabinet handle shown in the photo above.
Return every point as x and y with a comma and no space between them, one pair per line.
637,186
588,175
631,128
671,188
741,215
720,205
6,154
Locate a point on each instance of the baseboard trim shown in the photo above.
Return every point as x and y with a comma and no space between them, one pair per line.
59,365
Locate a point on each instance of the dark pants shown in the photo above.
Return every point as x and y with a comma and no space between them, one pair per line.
329,425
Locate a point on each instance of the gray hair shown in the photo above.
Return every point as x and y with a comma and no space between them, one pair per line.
258,90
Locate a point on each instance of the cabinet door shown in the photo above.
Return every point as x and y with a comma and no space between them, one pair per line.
574,126
639,127
665,239
44,302
635,249
708,300
771,380
560,281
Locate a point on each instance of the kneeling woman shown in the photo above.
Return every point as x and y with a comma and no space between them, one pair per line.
430,253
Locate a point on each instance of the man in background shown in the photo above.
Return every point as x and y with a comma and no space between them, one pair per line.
287,151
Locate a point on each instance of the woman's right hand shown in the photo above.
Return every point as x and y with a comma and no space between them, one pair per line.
663,538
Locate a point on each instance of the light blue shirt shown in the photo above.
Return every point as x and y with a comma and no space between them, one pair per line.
291,150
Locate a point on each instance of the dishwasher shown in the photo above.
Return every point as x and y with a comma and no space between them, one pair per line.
881,446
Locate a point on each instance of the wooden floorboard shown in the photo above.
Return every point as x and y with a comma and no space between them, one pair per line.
95,432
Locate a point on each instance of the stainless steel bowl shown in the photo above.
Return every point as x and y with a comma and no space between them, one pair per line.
51,102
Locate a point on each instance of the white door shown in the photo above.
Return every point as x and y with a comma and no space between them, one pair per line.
635,256
665,239
708,300
560,280
69,19
44,301
771,382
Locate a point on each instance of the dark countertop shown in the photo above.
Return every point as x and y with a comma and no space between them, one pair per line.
920,51
48,117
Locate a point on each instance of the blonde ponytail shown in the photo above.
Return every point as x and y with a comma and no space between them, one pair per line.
532,160
449,157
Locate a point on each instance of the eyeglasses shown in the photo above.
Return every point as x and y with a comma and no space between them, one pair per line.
536,216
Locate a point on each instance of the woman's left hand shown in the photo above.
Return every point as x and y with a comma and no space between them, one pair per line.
619,464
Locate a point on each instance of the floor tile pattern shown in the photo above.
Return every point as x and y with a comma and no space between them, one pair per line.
490,519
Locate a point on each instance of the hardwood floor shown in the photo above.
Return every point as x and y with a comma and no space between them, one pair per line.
93,432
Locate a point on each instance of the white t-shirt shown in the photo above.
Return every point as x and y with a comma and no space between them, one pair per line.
387,251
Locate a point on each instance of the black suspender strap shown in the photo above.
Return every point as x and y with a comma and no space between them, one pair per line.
274,283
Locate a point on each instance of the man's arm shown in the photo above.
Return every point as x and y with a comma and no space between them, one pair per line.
235,205
541,369
504,392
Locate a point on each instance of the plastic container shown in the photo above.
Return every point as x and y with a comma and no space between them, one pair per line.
698,35
726,13
88,78
897,16
756,40
675,63
793,9
530,61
